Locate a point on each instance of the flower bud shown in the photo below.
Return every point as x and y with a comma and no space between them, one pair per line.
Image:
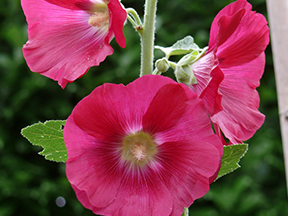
184,74
162,65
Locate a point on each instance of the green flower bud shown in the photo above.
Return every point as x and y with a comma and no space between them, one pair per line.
162,65
184,74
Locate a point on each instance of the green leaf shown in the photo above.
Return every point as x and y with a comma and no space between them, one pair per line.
231,157
181,47
49,135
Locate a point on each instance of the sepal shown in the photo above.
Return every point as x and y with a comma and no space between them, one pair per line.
181,47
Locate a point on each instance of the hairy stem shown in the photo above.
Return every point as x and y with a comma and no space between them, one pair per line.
147,37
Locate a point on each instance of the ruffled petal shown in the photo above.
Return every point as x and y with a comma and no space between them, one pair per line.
62,45
209,77
238,37
247,42
142,193
210,95
186,168
228,11
117,19
164,112
108,109
88,164
239,34
240,117
72,4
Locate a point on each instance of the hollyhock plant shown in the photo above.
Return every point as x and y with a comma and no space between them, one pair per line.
67,37
142,149
233,66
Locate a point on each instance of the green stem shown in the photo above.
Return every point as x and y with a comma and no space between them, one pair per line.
131,20
147,37
135,16
172,64
185,212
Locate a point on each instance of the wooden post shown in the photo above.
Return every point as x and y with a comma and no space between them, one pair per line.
278,21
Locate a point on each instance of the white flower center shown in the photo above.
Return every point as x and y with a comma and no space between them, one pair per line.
138,148
139,151
99,19
99,15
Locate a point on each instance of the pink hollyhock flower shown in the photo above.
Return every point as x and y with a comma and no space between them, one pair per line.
67,37
142,149
229,73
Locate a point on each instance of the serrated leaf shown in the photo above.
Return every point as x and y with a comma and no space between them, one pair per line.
231,157
181,47
49,135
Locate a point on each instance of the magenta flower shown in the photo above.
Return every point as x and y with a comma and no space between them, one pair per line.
67,37
238,38
142,149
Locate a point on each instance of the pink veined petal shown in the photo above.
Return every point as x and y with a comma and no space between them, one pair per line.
62,45
117,19
202,70
238,34
247,42
240,117
208,76
164,112
81,195
85,163
238,37
141,193
72,4
186,168
229,10
210,95
227,26
108,109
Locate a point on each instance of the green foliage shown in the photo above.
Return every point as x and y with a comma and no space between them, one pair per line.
231,157
49,135
181,47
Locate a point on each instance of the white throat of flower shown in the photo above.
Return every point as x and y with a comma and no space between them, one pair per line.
99,16
138,148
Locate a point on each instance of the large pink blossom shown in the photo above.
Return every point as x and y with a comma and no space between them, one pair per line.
67,37
142,149
229,73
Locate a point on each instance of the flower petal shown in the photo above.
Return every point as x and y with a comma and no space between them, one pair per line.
62,45
239,34
186,168
240,117
72,4
164,112
108,109
228,11
209,77
84,167
210,95
117,19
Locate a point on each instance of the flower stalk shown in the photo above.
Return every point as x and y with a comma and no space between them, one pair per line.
147,37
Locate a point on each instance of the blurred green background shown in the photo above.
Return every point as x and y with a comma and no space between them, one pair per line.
30,185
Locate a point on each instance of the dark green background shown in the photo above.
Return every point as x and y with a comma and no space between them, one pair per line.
29,185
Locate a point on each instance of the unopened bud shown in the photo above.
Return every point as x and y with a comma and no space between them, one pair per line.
162,65
184,74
